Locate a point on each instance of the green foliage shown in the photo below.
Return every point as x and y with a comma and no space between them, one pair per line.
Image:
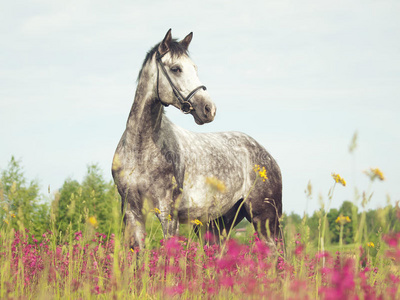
68,204
333,227
292,219
347,210
21,204
93,198
314,223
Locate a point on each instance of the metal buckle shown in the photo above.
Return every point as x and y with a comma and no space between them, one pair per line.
186,107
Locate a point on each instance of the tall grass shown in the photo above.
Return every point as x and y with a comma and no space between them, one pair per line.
87,264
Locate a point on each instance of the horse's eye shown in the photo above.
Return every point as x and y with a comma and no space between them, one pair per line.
176,69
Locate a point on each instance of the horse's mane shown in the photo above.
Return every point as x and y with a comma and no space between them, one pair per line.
175,48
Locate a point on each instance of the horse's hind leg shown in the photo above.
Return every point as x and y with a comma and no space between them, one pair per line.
234,216
217,229
221,226
210,228
264,215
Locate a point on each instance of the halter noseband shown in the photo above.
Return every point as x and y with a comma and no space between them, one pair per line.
186,105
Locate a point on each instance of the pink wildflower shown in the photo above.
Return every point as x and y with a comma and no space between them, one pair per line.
299,250
210,238
392,239
261,247
172,246
227,281
176,290
78,235
341,283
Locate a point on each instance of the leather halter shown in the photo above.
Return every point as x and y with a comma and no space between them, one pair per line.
186,105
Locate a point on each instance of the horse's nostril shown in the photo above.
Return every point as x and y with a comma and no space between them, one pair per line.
207,109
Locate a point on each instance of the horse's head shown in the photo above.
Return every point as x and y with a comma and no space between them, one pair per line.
177,80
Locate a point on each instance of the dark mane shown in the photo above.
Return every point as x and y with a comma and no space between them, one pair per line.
175,48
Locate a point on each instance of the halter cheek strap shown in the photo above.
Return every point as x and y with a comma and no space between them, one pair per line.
186,105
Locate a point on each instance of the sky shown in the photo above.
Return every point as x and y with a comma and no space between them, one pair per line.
301,77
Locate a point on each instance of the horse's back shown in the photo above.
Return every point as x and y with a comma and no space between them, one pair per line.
225,155
224,147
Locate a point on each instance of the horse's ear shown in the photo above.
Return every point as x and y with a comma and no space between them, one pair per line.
186,41
164,45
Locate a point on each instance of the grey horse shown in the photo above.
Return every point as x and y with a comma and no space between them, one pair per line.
186,176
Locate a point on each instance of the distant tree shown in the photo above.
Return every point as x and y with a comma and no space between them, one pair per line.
93,198
22,205
292,219
348,209
41,219
101,197
291,225
68,206
295,218
313,223
333,226
394,218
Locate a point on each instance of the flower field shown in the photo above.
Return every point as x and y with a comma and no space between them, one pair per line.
76,249
90,265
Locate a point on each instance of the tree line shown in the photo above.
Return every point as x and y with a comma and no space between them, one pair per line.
378,222
95,200
92,200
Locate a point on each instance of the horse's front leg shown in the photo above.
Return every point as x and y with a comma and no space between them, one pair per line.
168,215
135,230
169,224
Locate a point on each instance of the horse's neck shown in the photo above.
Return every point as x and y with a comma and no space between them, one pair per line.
146,114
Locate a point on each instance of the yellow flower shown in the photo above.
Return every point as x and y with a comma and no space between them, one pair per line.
197,222
262,172
216,184
12,215
169,218
157,211
343,219
339,179
93,221
371,245
374,173
5,221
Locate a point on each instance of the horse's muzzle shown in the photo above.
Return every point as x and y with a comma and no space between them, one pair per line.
203,112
